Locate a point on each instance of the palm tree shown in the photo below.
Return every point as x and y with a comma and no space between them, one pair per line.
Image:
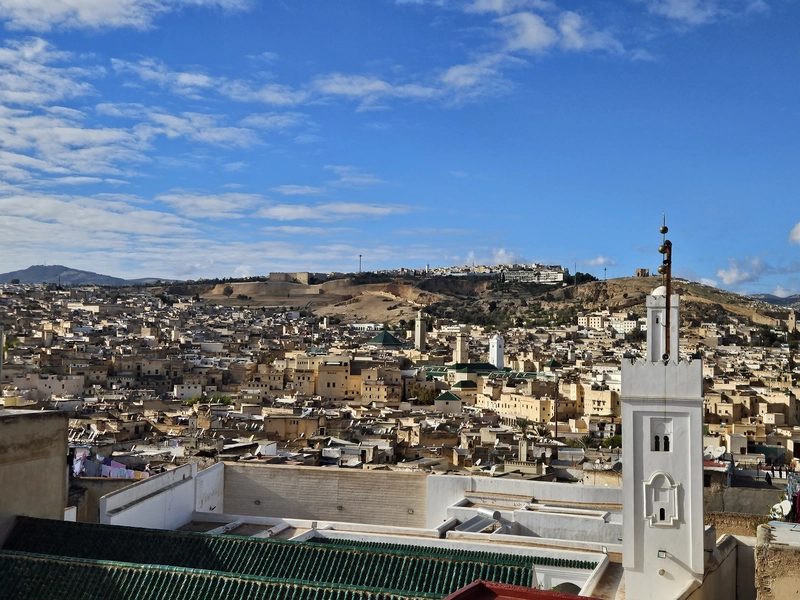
523,423
542,431
586,441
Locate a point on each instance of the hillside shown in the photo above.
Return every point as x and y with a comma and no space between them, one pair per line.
62,275
484,301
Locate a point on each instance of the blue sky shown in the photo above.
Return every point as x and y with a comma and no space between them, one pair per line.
217,138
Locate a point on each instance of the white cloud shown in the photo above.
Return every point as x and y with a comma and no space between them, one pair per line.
298,230
371,90
794,234
27,76
297,190
741,271
196,84
528,31
210,206
709,282
329,212
601,261
198,127
352,176
577,34
42,15
781,292
692,12
501,256
275,121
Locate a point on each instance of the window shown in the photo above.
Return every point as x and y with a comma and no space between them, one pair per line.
662,514
666,444
657,444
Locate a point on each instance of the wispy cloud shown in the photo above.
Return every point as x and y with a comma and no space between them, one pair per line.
297,190
350,176
372,91
330,211
197,84
210,206
42,15
28,75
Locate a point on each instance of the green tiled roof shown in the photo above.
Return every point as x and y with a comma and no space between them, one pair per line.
384,338
449,396
25,576
465,384
479,367
399,570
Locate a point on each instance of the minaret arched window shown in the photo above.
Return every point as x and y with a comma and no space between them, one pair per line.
657,444
666,443
662,515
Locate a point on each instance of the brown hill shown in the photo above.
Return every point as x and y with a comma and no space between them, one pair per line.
485,301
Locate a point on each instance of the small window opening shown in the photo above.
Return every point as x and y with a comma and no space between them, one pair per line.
662,515
666,443
657,445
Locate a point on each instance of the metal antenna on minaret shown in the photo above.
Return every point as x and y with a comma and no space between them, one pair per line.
666,272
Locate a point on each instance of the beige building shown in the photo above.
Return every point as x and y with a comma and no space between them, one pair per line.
33,465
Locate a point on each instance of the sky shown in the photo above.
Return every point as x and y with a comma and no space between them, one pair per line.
191,139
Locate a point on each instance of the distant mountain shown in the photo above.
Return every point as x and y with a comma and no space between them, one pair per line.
66,276
788,301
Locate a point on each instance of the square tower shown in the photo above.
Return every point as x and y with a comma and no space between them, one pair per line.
497,351
662,461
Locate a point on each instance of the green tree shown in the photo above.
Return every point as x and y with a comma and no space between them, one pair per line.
228,290
586,441
523,423
615,441
423,394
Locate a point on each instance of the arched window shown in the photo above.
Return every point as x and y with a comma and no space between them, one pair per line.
657,444
666,443
662,515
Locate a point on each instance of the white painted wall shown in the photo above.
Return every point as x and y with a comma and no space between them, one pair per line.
164,501
446,490
210,489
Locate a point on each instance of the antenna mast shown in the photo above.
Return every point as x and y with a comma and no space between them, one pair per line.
666,273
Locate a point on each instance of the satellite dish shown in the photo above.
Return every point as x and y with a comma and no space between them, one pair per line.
478,462
777,510
786,506
707,455
597,462
708,450
718,451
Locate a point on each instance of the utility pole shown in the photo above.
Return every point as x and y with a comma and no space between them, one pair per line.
359,263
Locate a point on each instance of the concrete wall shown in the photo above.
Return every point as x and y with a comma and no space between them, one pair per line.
378,497
96,488
719,582
164,501
209,489
33,465
446,490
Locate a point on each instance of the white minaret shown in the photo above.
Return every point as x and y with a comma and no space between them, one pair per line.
662,457
461,355
420,332
496,348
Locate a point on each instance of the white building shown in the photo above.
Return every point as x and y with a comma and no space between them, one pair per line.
662,457
496,351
